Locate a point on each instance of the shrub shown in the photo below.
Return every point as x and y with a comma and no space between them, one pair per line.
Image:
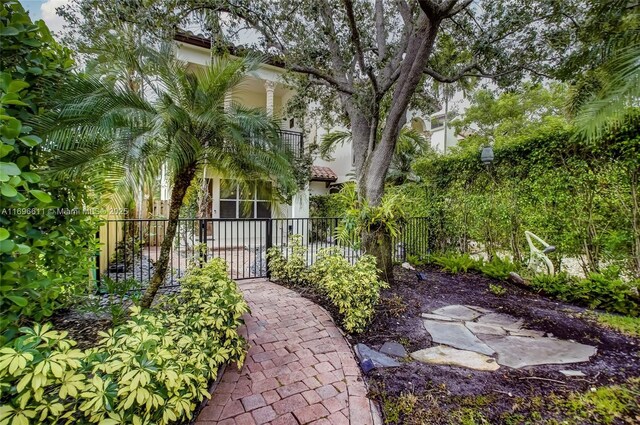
291,268
497,268
455,263
599,290
153,369
353,289
45,256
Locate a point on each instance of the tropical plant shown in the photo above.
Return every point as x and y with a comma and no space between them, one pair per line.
47,242
153,369
353,289
604,68
185,126
292,267
362,221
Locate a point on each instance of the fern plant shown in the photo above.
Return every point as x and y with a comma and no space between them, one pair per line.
455,263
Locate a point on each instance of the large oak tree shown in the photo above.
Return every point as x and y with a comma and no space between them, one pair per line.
369,61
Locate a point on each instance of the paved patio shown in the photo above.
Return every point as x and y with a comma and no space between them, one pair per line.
299,368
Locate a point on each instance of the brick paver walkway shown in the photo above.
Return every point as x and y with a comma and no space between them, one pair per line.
299,368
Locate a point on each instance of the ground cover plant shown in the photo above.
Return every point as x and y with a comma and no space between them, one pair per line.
153,369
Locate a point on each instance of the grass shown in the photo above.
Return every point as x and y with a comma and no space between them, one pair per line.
623,324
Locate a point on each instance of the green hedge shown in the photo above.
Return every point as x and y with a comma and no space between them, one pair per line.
581,197
153,369
46,249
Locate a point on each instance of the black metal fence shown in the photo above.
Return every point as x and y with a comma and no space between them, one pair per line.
130,247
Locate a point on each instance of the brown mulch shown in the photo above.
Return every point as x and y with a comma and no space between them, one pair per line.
502,396
82,328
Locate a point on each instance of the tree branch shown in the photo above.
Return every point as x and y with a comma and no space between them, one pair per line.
339,85
355,40
381,34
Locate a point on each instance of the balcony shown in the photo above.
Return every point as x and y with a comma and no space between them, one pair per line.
294,142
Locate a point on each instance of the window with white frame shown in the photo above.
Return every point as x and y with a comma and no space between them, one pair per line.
245,201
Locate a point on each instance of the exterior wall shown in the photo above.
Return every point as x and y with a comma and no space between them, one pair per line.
318,188
438,140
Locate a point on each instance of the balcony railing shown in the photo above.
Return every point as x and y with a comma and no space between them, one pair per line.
293,141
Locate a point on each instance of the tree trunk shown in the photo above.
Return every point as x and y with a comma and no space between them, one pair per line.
378,243
181,184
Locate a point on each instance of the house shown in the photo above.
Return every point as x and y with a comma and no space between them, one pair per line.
266,89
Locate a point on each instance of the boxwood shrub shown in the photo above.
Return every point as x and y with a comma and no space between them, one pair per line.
153,369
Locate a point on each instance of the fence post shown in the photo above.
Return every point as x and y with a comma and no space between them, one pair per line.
268,244
98,257
202,237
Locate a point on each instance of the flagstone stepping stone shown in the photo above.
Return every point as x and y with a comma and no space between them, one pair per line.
379,360
527,332
503,320
483,328
392,348
480,309
456,335
443,355
437,317
518,351
456,311
572,373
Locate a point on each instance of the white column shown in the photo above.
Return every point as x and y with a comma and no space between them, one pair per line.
270,86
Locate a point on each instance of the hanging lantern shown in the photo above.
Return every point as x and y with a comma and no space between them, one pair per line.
486,156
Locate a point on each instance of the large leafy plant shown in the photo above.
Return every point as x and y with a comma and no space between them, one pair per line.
353,289
46,243
153,369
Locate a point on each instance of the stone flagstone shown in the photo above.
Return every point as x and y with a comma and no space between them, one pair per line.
503,320
437,317
518,351
455,335
443,355
456,311
483,328
392,348
379,360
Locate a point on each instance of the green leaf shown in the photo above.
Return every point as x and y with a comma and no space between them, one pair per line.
5,149
30,177
16,85
19,301
9,168
11,129
23,249
9,31
31,140
8,190
7,245
4,233
42,196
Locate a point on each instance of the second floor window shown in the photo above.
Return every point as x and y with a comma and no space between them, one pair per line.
245,201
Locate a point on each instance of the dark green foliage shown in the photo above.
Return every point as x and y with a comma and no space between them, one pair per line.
578,196
455,263
604,291
498,268
46,242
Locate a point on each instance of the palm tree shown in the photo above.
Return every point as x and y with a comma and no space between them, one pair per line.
113,131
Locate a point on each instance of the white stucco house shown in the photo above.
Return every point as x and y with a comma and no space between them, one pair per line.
265,88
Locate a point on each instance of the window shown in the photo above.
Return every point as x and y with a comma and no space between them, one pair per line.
245,201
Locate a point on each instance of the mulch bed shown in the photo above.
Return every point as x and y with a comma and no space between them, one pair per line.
82,328
502,396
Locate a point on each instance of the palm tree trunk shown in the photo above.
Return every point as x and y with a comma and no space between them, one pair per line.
182,182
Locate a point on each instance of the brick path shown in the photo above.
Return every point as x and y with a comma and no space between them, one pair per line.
299,368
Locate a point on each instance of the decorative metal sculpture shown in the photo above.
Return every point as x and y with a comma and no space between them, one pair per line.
538,260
